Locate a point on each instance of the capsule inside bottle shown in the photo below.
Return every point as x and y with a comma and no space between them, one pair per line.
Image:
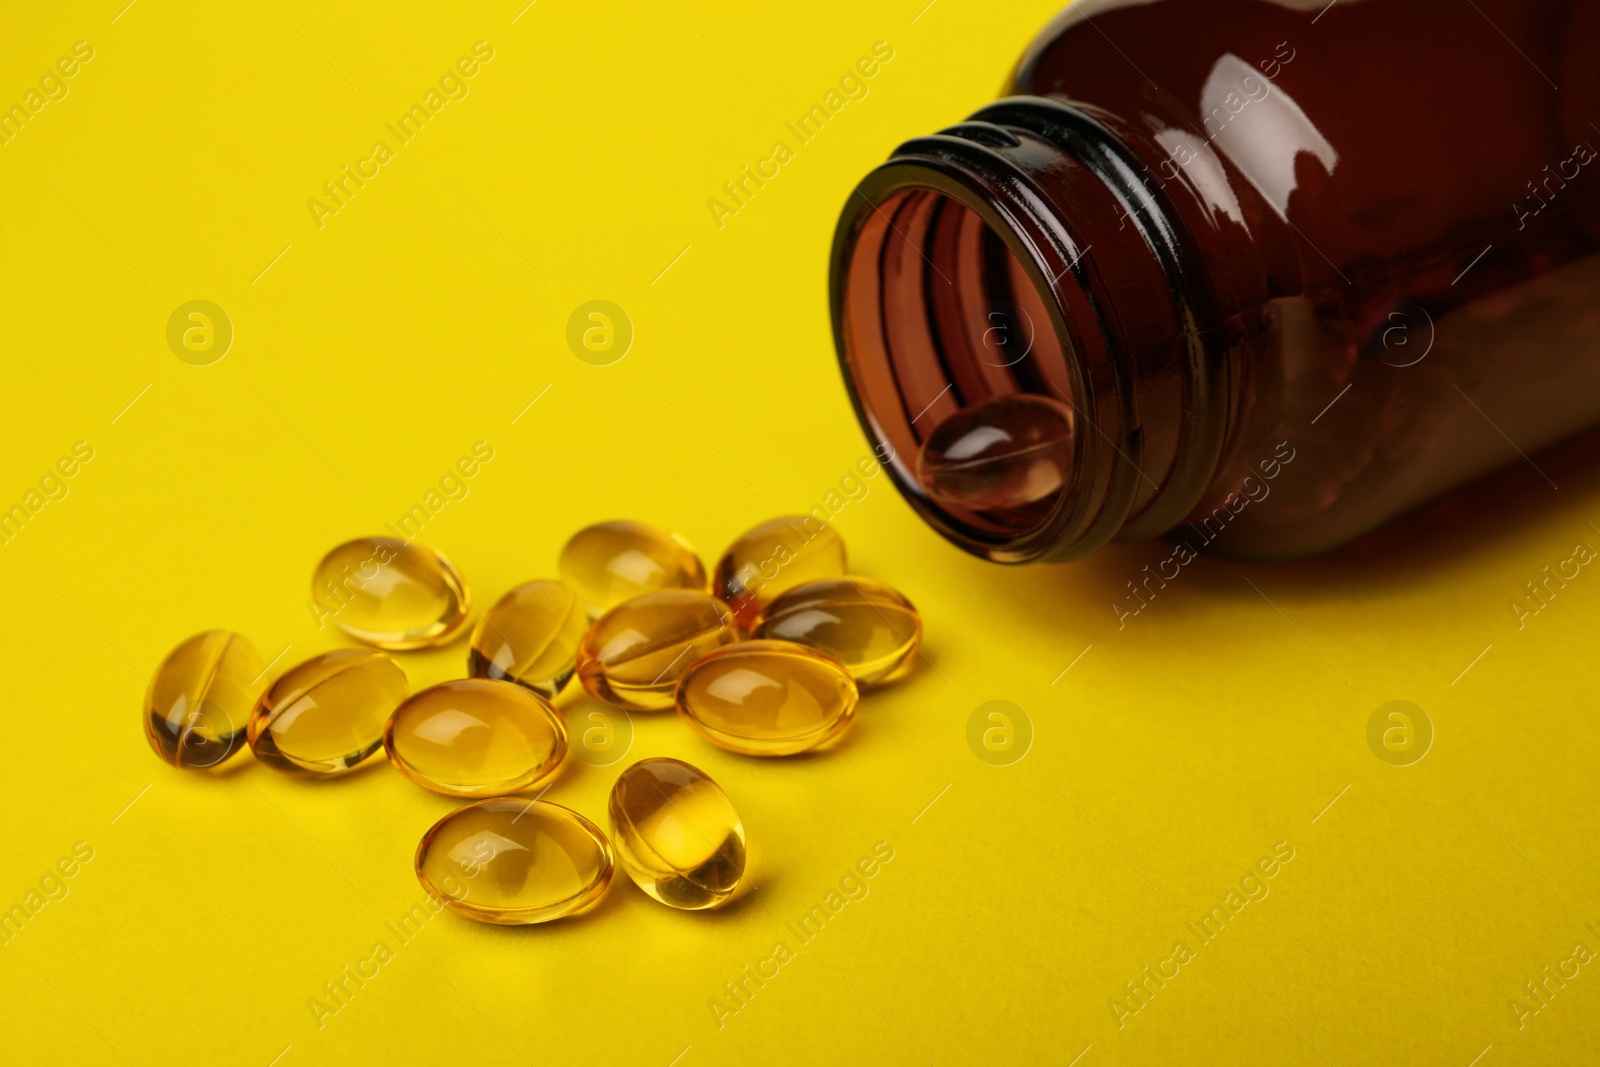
1007,454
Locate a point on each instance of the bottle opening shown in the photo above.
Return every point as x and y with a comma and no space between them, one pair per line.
1015,321
958,365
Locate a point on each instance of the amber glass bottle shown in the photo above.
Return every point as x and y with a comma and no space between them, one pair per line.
1271,272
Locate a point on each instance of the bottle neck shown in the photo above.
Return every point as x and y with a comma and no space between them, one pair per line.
1019,255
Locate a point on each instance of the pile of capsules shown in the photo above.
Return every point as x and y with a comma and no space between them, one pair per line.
768,663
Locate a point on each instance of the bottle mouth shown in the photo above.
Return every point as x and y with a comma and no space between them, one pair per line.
961,368
1007,300
959,355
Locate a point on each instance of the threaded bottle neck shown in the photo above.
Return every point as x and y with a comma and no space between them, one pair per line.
1007,268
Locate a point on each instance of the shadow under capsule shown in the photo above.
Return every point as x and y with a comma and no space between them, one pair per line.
834,747
313,780
730,911
610,901
235,762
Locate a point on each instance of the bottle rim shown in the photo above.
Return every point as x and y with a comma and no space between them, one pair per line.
992,166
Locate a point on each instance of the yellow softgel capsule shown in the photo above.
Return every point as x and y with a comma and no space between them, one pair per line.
871,629
1011,452
530,637
326,715
775,556
390,593
197,707
512,862
631,658
610,562
677,834
767,698
474,737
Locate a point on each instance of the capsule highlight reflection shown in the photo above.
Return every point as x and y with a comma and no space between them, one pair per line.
512,862
197,706
776,555
1008,452
475,737
326,715
530,636
390,593
867,626
610,562
633,656
677,834
767,698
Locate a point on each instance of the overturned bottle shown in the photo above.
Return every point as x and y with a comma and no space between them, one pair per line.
1255,302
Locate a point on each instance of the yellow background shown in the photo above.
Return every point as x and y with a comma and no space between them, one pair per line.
424,317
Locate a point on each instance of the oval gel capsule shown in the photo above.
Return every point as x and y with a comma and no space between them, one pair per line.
632,657
772,557
610,562
767,698
390,593
1007,452
677,834
197,707
326,715
474,737
512,861
530,637
868,627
